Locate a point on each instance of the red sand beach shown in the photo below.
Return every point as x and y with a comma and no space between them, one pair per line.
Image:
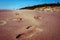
29,25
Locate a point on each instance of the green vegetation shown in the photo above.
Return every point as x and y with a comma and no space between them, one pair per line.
43,6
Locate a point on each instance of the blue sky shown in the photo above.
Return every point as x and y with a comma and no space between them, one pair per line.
16,4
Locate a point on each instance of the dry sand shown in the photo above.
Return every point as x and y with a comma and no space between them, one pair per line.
29,25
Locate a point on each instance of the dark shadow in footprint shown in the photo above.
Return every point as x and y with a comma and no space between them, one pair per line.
28,27
19,35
